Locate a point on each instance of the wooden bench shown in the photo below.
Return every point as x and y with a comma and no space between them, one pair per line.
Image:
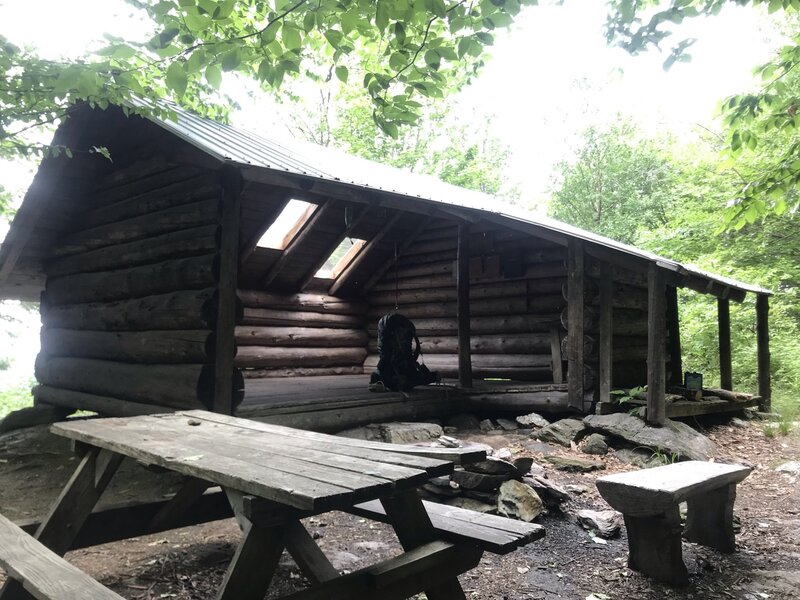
649,501
491,533
42,573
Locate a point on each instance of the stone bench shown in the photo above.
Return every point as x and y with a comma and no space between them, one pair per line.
649,499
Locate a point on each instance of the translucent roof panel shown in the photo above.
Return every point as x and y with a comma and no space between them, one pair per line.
291,220
340,258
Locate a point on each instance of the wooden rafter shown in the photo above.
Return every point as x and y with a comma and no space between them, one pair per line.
249,246
291,250
378,274
365,252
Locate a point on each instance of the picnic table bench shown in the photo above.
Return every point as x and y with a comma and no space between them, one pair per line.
649,499
273,476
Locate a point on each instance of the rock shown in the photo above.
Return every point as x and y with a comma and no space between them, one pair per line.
448,442
449,429
519,501
493,466
503,454
471,504
443,481
606,523
523,465
478,481
487,497
464,421
532,421
538,447
737,422
41,414
507,424
596,444
396,433
574,465
551,494
486,425
574,488
792,467
562,432
638,457
673,438
440,491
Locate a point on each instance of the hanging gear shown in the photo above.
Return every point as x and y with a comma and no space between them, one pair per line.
399,349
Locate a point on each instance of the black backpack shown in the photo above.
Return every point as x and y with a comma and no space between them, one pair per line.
399,349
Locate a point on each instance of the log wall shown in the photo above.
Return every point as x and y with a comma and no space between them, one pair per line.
130,302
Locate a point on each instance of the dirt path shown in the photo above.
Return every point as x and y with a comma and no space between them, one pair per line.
189,563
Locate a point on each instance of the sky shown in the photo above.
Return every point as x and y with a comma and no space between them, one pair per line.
549,77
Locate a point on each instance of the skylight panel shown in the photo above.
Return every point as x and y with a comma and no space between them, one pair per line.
291,220
340,258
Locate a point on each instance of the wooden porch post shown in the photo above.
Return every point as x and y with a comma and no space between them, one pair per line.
606,349
674,342
231,181
462,283
725,363
656,328
762,329
575,316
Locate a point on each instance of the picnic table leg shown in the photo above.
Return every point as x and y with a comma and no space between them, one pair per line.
413,527
709,519
71,509
654,545
254,563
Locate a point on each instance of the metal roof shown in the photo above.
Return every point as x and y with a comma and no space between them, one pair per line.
230,144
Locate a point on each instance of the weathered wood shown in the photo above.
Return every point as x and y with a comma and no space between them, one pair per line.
301,336
103,405
268,316
225,344
171,512
176,244
407,242
251,570
193,346
482,362
575,324
675,376
301,302
248,246
280,356
762,331
550,401
477,291
484,325
39,573
656,338
263,373
308,556
190,309
556,355
605,349
709,519
463,308
168,276
654,544
534,304
522,343
724,328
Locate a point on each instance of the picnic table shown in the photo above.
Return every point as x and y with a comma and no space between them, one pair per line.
275,476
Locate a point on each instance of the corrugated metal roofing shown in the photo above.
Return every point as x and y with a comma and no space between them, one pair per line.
296,157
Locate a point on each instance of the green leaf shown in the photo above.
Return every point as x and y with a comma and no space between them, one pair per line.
231,60
309,21
291,37
342,73
382,15
399,33
334,37
176,78
214,76
433,60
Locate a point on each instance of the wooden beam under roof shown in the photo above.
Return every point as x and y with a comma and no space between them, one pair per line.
762,331
378,274
656,330
298,241
249,246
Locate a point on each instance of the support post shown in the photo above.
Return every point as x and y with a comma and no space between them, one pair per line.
462,284
762,329
674,341
656,326
575,324
606,348
231,181
725,362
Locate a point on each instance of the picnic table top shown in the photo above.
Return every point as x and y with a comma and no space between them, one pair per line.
301,469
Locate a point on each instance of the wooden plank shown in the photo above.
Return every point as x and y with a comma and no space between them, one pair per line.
308,556
674,340
725,360
605,350
656,326
251,570
44,574
249,246
575,323
365,252
407,242
189,493
463,308
762,331
555,353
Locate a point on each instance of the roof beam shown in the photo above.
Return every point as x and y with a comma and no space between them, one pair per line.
291,250
381,271
249,246
365,252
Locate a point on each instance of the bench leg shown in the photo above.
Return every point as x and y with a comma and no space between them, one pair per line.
709,519
254,564
413,527
654,545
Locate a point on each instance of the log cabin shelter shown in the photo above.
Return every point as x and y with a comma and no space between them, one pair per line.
207,267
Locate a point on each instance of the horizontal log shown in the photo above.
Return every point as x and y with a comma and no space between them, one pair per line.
205,212
618,273
176,386
484,307
478,325
305,302
102,405
304,372
177,244
281,356
530,343
151,347
197,272
325,337
268,316
477,291
444,267
430,246
410,260
623,296
191,309
548,401
486,364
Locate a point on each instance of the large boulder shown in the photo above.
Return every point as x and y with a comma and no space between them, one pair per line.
478,481
596,444
562,432
532,421
673,438
519,501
